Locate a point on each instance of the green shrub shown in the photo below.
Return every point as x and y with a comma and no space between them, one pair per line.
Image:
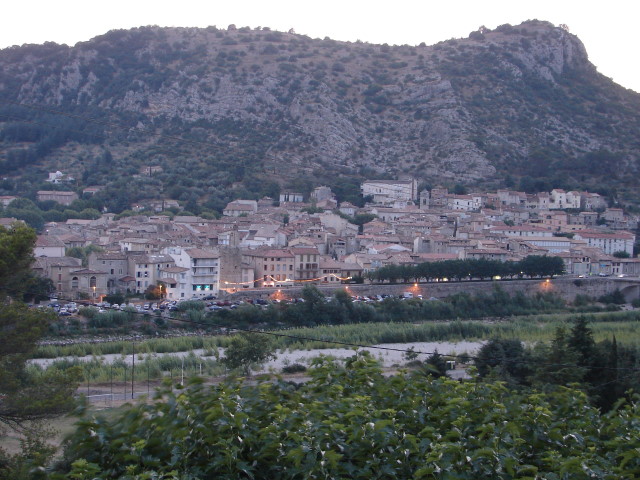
294,368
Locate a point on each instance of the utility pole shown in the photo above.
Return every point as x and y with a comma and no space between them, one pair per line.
133,364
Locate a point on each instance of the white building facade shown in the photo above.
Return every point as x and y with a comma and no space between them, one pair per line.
202,277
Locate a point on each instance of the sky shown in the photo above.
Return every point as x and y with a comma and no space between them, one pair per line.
608,29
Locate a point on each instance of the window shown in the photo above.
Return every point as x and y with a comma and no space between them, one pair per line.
112,271
92,282
74,282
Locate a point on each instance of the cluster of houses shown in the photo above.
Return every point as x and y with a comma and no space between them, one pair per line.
267,243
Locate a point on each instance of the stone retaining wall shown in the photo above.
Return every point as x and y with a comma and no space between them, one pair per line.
566,287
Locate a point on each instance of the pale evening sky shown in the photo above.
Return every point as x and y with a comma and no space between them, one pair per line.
608,29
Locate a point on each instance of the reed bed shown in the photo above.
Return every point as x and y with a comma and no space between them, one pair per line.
149,367
623,325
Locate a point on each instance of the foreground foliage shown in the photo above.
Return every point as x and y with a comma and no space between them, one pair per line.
352,422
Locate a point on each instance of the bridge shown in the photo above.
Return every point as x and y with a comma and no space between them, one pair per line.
628,286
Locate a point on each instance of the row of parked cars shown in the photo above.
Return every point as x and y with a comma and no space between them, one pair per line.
63,310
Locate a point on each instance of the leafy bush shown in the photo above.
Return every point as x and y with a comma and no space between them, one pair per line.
352,421
191,305
616,297
294,368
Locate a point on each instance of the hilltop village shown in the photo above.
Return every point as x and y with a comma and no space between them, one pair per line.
294,240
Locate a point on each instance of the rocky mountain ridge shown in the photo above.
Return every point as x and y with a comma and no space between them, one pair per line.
235,108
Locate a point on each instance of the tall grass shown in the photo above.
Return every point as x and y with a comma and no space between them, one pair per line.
623,325
151,367
125,347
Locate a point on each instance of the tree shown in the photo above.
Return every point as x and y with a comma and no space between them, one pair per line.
411,355
16,257
315,305
153,292
459,189
581,341
436,365
26,396
83,252
247,350
505,358
557,364
621,254
117,298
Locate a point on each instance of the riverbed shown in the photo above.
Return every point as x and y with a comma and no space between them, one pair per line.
389,354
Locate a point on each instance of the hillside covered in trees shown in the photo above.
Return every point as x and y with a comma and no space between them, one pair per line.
240,112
